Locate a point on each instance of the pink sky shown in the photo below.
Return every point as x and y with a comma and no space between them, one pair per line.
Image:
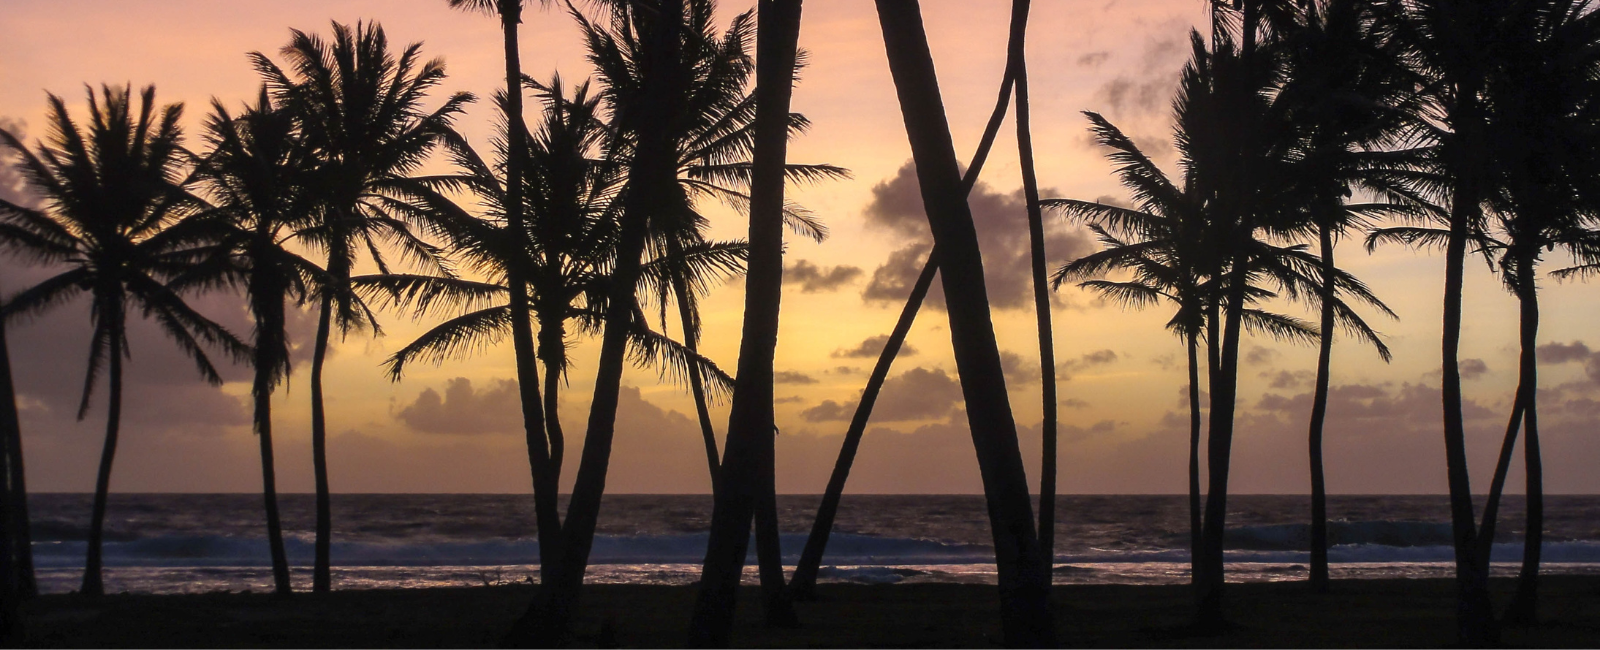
453,428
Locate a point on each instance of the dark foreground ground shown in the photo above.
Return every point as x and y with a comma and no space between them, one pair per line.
1366,613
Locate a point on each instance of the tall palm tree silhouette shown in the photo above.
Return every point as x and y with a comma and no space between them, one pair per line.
112,216
255,172
359,109
1024,582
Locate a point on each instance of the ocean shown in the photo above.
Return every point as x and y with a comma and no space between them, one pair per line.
195,543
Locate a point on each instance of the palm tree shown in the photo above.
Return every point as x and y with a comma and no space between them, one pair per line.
1024,582
256,169
1343,92
1454,48
113,204
803,584
747,471
359,109
16,556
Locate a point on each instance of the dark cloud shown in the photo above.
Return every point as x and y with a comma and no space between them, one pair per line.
1148,88
870,349
1289,379
1575,351
1019,370
1074,403
1259,356
828,411
1094,59
917,394
813,278
792,399
851,370
1416,403
1002,225
1473,368
464,410
792,377
1066,370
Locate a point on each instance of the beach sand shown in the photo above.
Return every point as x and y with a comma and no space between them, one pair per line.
1361,613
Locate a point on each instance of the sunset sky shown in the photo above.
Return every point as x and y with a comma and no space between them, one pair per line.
455,427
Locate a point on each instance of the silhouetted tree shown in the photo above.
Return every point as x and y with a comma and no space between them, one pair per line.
1024,582
256,170
359,109
747,469
16,565
111,216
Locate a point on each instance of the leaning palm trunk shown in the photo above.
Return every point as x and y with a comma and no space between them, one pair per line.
1319,411
261,390
321,574
1041,290
1024,583
803,585
93,584
747,465
1193,346
691,341
18,537
1524,607
651,178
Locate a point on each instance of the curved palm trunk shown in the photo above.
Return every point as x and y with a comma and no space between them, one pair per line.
651,177
18,528
803,584
321,575
544,452
1041,290
1024,583
1524,607
691,340
262,392
93,585
1194,459
552,349
747,466
1319,410
1474,614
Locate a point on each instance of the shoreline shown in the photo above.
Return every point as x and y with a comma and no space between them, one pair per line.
1360,613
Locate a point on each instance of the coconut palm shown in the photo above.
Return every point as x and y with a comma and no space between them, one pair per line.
1023,581
113,204
16,556
359,109
256,174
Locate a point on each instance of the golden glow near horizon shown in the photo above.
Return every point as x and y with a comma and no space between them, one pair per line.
454,428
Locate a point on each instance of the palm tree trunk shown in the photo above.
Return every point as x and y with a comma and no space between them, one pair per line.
19,534
803,584
1041,290
321,576
1474,614
652,178
1194,459
1524,607
262,392
552,349
1219,450
93,584
544,453
691,340
1319,411
1024,584
747,464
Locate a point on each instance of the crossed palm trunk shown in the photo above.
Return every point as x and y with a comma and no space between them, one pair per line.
1024,582
803,584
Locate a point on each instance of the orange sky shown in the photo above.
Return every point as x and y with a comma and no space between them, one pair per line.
453,428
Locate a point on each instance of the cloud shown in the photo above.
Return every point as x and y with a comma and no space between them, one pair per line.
1473,368
1289,379
1002,225
1019,371
1259,356
1148,88
792,399
1093,59
1066,370
814,279
464,410
1074,403
917,394
870,349
792,377
1576,351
